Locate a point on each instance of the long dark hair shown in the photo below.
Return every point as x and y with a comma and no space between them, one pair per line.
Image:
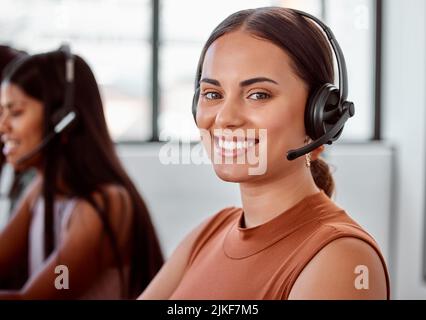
302,40
87,160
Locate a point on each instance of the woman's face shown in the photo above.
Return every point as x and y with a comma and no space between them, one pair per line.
21,119
248,84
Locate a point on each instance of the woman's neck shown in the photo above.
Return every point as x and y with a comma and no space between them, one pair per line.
61,189
264,200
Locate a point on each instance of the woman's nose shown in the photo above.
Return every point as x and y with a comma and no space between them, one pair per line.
4,122
230,115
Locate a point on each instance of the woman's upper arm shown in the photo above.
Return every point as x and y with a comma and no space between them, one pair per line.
78,256
14,236
169,276
347,268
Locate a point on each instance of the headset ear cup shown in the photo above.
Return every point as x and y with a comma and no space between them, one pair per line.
195,99
309,111
323,100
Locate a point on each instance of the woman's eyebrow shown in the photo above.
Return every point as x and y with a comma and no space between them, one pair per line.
211,81
251,81
13,104
243,83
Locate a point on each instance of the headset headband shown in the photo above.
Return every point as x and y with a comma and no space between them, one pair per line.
341,63
69,76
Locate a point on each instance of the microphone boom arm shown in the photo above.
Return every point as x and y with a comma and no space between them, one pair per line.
294,154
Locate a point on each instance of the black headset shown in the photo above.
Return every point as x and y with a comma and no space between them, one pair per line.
66,115
327,109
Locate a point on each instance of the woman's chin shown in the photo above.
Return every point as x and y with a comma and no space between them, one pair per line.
232,172
11,160
17,165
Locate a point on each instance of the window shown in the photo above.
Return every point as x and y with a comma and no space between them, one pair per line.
353,24
114,38
144,53
185,26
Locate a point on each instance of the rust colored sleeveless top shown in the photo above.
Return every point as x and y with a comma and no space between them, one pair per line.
263,262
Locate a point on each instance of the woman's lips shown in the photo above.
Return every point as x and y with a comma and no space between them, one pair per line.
233,146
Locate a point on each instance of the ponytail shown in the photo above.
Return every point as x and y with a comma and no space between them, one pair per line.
320,171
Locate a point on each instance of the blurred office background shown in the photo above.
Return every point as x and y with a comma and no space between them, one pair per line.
144,54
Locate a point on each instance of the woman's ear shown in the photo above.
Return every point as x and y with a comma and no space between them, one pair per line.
317,152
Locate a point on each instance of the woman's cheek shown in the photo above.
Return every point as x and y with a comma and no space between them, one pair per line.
207,141
281,136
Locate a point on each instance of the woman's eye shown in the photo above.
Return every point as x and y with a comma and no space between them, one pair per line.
212,95
259,96
16,113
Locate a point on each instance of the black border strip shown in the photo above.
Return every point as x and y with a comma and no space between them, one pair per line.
155,69
377,134
424,228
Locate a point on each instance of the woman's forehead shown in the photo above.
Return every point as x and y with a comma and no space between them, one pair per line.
11,94
10,90
242,53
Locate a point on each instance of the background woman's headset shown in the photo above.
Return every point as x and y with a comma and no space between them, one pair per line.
327,109
66,115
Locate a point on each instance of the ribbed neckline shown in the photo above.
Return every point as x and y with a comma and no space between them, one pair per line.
242,242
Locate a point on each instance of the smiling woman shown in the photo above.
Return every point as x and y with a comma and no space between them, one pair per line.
265,70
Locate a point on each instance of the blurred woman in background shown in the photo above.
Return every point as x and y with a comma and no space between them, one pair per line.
20,179
16,182
82,212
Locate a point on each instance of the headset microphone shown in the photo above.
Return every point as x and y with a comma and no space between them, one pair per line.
325,139
66,115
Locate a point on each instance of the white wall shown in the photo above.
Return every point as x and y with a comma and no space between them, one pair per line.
180,196
364,180
404,104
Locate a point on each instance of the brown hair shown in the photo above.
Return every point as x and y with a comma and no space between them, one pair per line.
302,40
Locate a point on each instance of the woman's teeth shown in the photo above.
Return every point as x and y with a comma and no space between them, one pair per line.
8,146
232,145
